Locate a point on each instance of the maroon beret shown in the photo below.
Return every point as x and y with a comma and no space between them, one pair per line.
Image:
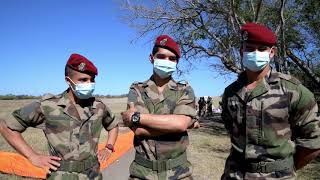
81,64
167,42
257,33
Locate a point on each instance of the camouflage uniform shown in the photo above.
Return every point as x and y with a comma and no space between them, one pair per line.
177,98
202,106
266,124
209,106
72,132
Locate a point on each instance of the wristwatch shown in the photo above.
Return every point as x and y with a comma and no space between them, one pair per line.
110,147
135,118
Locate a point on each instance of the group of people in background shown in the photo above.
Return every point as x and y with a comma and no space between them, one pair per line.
205,107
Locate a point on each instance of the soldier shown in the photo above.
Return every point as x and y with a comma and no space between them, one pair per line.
209,106
159,112
202,106
270,116
71,121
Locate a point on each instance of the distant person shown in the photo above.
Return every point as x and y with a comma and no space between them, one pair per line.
72,122
209,106
202,107
160,110
271,117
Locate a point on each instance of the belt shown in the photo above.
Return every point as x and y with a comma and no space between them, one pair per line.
161,165
268,167
78,166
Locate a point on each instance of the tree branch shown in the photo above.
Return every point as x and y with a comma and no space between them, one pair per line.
257,11
303,66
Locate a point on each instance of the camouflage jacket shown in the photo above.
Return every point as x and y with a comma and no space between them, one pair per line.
266,124
72,131
177,98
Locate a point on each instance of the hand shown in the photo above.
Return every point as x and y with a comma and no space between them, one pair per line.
126,116
46,162
104,154
196,125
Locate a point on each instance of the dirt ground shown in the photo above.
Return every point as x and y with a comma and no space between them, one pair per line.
208,149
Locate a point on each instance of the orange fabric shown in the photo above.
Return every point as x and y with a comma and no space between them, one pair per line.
123,144
13,163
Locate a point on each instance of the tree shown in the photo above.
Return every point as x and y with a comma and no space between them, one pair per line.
211,29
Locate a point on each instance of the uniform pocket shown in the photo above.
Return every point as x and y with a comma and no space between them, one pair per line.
58,132
275,126
236,116
95,127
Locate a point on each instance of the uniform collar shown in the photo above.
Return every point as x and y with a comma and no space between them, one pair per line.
172,84
262,87
271,77
65,101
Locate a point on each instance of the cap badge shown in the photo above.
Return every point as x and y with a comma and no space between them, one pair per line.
82,66
163,42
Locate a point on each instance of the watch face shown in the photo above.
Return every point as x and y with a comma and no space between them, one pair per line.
135,117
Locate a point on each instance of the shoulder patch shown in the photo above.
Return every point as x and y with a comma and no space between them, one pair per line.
289,78
183,82
47,96
138,84
182,85
99,100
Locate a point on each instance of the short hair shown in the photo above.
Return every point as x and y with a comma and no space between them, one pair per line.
155,50
68,71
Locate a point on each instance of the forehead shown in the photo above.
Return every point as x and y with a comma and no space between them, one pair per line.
80,75
165,51
250,44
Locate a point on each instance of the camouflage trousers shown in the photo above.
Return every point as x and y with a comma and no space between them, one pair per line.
90,174
182,172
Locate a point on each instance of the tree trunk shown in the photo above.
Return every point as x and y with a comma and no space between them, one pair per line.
304,67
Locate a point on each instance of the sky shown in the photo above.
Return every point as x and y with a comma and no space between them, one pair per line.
37,37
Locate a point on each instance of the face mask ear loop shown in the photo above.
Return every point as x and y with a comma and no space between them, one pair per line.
71,84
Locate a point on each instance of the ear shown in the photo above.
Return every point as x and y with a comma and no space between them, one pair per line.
151,58
273,52
66,78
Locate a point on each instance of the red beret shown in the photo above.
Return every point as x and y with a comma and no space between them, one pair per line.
257,33
167,42
81,64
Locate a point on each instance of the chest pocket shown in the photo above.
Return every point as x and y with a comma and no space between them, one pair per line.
57,131
236,112
275,118
168,105
95,125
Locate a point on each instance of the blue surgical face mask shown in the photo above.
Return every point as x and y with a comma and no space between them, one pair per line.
83,90
164,68
256,61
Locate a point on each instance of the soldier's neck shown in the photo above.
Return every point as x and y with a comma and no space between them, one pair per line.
75,100
161,83
257,76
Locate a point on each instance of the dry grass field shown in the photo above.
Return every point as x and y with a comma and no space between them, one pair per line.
208,149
